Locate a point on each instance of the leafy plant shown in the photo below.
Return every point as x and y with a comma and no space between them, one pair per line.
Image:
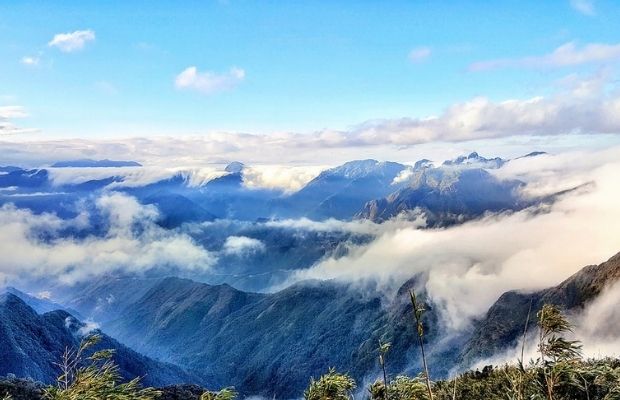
331,386
383,350
418,311
94,377
224,394
401,388
557,354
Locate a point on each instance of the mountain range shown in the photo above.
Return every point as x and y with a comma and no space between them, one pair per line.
270,344
278,340
356,189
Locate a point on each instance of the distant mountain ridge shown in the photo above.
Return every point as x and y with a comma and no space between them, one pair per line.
368,188
41,306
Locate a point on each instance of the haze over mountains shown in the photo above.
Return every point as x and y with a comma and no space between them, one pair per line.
203,277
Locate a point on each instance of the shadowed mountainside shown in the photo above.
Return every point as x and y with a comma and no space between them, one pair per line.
503,324
30,344
269,344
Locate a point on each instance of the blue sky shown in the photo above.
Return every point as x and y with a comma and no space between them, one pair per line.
305,66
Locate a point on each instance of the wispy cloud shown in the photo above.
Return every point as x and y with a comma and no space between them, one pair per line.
568,54
72,41
208,82
419,54
30,61
7,114
586,7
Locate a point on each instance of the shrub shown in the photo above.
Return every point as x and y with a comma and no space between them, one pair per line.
331,386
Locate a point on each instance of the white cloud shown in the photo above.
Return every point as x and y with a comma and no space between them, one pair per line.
208,82
403,176
88,327
580,113
133,242
360,227
280,177
585,7
242,245
134,176
8,113
419,54
597,325
480,260
568,54
44,295
30,61
72,41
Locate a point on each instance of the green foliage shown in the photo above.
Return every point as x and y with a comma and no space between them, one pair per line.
224,394
559,373
590,380
558,355
552,346
331,386
94,377
402,387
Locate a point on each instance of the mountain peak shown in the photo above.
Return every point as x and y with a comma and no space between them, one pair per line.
361,168
14,304
475,159
423,163
234,167
534,154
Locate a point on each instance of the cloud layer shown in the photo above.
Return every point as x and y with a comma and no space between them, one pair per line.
33,246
